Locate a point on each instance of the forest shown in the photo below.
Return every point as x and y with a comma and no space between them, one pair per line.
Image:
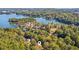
32,35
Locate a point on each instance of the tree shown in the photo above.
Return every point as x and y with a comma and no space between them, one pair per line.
67,40
46,45
54,46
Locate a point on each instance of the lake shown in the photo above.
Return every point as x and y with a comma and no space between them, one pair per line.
4,18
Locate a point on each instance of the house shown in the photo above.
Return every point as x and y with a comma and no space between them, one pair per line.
53,29
28,40
29,24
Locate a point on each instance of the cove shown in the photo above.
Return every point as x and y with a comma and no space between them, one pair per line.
4,18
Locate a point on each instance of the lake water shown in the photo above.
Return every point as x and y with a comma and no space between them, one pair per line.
4,18
45,21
